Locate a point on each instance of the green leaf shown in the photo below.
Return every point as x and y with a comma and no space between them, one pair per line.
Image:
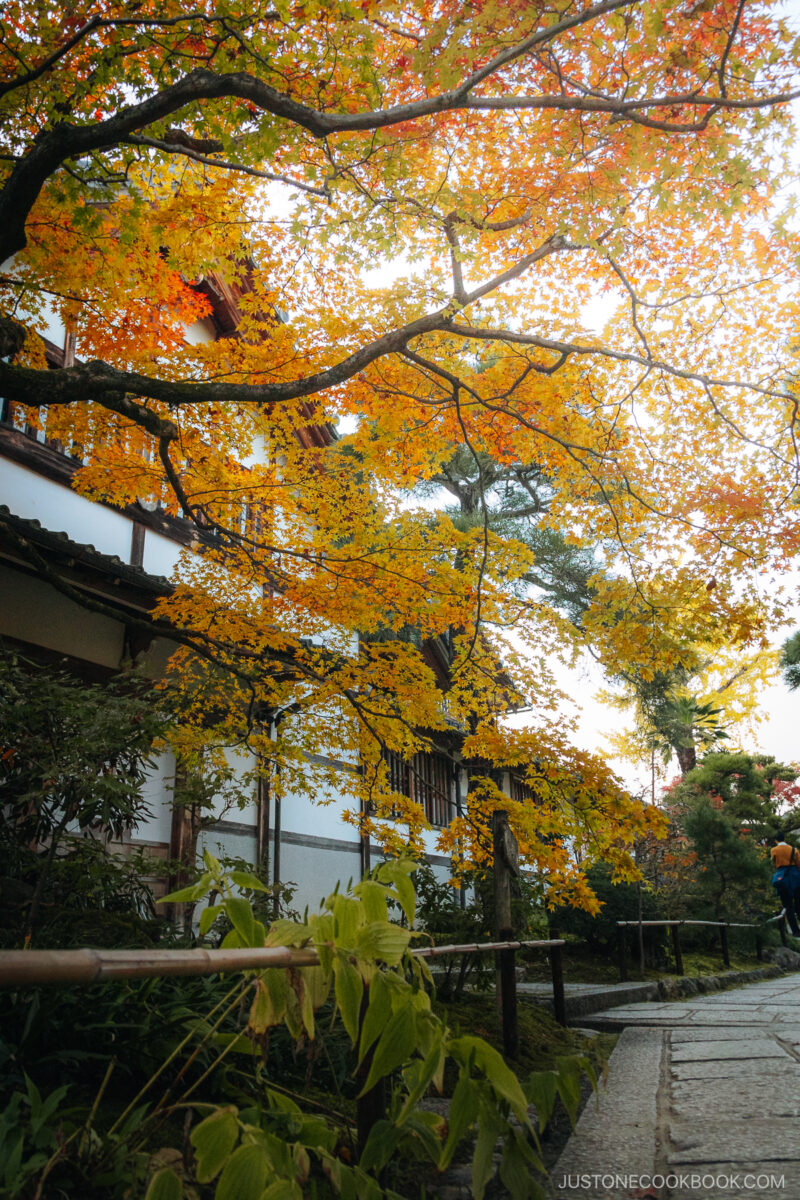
517,1166
541,1088
397,872
245,1175
213,1140
463,1111
396,1045
262,1013
490,1126
208,916
287,933
283,1189
349,989
165,1185
188,894
502,1079
373,897
246,879
378,1013
418,1077
381,1145
348,915
241,916
568,1076
382,940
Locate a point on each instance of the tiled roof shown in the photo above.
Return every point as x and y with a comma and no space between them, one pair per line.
82,553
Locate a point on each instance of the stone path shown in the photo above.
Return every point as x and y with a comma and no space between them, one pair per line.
702,1102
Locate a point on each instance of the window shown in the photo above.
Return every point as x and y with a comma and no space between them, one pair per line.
425,778
522,792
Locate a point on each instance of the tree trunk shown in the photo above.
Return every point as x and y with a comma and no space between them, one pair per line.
687,758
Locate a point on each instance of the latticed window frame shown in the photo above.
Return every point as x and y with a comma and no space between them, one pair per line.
426,778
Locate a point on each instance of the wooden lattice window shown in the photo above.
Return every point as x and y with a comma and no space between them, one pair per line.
425,778
521,791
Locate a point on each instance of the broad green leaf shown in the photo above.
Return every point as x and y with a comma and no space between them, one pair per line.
463,1111
322,927
382,940
568,1079
262,1013
287,933
502,1078
317,984
189,894
246,879
213,1140
541,1088
306,1004
277,981
379,1011
245,1175
395,1046
490,1126
373,897
240,913
348,915
208,916
397,873
381,1145
349,989
165,1185
517,1166
419,1075
283,1189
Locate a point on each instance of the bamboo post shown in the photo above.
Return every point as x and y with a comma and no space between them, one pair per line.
623,965
676,949
557,973
723,939
506,864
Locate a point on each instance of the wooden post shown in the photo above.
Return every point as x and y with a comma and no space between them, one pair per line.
623,965
676,949
506,865
723,939
557,973
371,1107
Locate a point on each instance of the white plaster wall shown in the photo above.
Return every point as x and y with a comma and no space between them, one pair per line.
301,813
58,508
161,554
32,611
316,871
200,333
157,792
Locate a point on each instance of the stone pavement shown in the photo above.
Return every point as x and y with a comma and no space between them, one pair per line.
703,1101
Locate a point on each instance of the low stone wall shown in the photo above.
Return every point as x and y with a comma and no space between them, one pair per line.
676,986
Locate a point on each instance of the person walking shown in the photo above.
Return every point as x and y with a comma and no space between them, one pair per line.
786,880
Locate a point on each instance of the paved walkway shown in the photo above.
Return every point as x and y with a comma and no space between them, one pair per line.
702,1102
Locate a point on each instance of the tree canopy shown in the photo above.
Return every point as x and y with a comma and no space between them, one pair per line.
417,206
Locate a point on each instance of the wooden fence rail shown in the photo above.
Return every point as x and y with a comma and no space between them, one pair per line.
674,927
28,968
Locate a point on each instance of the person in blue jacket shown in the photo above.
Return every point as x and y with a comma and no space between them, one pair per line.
786,880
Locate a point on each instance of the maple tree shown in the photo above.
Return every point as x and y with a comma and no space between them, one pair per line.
515,162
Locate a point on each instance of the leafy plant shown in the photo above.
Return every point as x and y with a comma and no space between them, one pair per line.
399,1046
72,756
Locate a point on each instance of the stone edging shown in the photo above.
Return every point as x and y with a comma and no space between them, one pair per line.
675,986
